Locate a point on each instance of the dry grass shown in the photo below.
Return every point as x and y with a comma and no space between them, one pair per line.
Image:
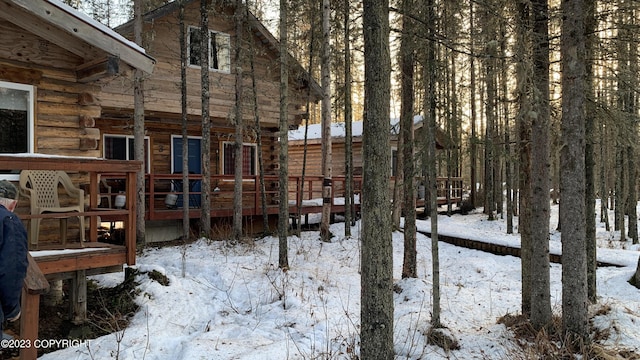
551,344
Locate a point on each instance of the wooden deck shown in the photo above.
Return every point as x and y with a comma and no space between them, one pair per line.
94,257
73,260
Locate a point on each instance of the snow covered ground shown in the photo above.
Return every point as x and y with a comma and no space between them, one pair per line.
234,303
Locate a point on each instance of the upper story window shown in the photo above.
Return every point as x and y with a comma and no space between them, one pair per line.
249,154
219,49
121,147
16,121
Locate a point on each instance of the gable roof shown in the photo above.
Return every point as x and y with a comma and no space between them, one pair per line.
259,30
62,25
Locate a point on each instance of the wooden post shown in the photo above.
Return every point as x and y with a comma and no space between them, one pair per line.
34,284
79,297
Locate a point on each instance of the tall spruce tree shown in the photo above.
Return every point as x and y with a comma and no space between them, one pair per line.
572,176
376,332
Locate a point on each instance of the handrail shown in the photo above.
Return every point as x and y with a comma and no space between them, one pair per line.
93,167
159,186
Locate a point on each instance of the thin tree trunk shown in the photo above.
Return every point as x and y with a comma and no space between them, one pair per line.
490,105
306,126
540,273
205,213
430,119
572,205
283,213
472,94
257,131
409,264
376,332
523,68
185,121
589,159
138,124
239,126
348,118
507,136
632,196
327,197
604,193
397,184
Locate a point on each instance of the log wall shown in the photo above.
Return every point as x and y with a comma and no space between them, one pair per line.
65,108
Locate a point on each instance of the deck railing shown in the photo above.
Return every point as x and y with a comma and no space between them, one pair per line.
165,198
88,171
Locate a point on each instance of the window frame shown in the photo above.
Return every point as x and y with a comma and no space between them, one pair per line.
147,143
31,119
254,147
222,69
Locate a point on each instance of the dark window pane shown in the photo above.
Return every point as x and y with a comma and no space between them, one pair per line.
14,135
214,52
115,148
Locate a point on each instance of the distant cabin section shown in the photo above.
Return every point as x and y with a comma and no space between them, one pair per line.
450,188
314,146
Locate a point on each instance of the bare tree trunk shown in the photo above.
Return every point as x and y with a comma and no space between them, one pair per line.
301,188
589,159
540,273
257,127
490,113
348,118
184,120
283,213
632,109
430,120
325,233
572,205
619,187
205,213
138,131
506,115
523,69
239,127
376,332
472,94
185,135
397,184
407,50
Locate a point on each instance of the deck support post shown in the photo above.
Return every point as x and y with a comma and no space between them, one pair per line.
34,284
78,298
29,323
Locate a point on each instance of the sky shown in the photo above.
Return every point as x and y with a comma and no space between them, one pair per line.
233,302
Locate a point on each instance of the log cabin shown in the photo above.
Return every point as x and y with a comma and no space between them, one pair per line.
313,164
163,115
51,61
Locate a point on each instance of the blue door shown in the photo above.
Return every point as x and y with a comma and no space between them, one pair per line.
195,167
195,160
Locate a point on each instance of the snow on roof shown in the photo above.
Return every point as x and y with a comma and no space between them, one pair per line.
95,24
338,129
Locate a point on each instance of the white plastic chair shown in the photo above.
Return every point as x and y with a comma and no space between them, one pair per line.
42,187
103,184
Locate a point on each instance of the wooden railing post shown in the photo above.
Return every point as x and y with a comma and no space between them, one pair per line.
35,284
